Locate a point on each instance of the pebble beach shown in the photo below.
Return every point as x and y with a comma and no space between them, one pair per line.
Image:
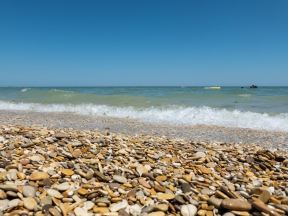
61,171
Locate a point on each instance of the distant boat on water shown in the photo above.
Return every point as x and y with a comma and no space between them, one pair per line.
253,86
213,87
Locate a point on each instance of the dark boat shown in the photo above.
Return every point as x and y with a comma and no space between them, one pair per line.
253,86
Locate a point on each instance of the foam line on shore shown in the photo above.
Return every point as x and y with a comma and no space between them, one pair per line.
175,115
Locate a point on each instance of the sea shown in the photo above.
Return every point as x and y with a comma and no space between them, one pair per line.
263,108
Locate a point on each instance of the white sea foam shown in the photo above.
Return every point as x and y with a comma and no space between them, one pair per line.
244,95
174,115
25,89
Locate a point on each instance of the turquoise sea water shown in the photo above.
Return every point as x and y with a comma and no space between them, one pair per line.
262,108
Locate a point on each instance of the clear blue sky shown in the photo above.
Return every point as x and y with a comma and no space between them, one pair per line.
143,42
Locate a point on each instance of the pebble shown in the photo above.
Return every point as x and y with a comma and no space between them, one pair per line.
228,214
144,183
264,196
141,169
37,176
76,153
162,207
14,203
115,207
199,155
215,202
207,191
9,187
165,196
157,213
29,191
100,210
81,212
54,193
29,203
186,188
2,195
135,210
119,179
62,187
4,204
188,210
67,172
236,204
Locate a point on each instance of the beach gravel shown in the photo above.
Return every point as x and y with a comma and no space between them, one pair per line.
120,174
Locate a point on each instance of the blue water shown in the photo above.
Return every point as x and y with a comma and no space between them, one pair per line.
261,108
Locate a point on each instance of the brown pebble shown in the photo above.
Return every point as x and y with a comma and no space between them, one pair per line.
236,204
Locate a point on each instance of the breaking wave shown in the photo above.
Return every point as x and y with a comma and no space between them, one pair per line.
25,89
170,114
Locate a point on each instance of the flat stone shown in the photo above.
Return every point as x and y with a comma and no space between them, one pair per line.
101,176
61,135
119,179
135,210
161,207
37,176
11,194
180,199
2,195
12,174
14,203
188,210
241,213
88,205
9,187
204,170
115,207
215,202
82,191
54,193
202,212
81,212
228,214
165,196
102,200
207,191
123,212
114,186
67,172
62,187
100,210
158,188
29,203
29,191
185,187
199,155
161,178
264,196
144,183
76,153
157,213
54,212
4,204
236,204
2,139
141,170
37,158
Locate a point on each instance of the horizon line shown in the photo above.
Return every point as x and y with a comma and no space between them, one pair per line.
109,86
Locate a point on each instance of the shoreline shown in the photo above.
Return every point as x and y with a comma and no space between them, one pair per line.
267,139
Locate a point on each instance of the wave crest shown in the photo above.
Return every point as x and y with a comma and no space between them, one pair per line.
172,114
